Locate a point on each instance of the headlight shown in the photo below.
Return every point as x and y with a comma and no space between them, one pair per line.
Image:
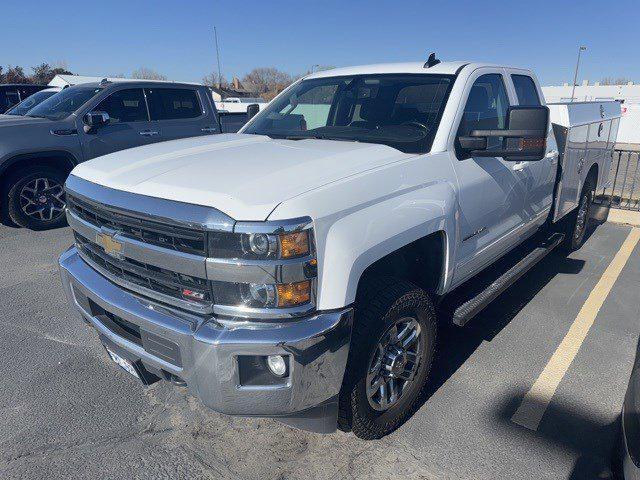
263,265
259,245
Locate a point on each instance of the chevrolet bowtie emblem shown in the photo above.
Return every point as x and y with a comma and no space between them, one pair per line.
110,245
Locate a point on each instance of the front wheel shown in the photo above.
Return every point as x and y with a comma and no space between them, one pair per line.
35,198
392,349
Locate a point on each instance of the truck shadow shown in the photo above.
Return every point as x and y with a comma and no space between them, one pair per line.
457,344
569,428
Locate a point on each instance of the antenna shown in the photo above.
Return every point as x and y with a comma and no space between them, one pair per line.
431,61
215,34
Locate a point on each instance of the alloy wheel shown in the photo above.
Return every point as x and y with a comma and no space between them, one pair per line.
42,199
394,363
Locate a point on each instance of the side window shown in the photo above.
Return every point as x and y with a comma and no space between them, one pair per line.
486,108
526,90
173,103
12,98
124,106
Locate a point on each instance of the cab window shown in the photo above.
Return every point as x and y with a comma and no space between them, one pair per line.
125,106
526,90
486,108
173,103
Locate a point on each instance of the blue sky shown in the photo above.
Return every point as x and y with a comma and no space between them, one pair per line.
112,37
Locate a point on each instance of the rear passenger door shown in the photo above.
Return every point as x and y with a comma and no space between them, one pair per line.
128,126
180,112
539,176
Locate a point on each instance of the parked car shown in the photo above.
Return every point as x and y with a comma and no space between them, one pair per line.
35,99
13,93
630,429
239,104
293,270
38,150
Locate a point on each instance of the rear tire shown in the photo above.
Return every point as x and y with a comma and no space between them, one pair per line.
579,219
35,198
392,349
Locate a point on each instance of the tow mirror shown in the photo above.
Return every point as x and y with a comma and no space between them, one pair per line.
252,110
94,120
524,139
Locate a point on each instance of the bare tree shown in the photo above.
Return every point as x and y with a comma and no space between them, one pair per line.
615,81
15,75
144,73
267,79
43,73
212,80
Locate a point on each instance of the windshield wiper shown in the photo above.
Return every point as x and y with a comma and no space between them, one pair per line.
318,137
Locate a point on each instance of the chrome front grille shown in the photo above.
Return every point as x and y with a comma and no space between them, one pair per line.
156,282
148,231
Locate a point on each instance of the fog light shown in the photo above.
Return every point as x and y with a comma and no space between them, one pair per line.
277,365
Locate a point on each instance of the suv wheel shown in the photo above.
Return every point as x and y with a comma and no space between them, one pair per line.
392,349
579,220
35,198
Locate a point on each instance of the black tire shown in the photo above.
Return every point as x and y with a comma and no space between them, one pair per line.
579,220
382,303
26,215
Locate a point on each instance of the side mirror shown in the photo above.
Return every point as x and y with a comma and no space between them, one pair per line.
252,110
525,137
94,120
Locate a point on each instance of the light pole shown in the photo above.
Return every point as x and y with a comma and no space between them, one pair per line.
581,48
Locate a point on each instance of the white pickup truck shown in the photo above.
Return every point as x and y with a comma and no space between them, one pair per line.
297,269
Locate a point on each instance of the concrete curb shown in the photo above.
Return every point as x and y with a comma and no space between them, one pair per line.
627,217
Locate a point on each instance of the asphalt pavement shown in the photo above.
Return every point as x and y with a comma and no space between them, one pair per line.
66,411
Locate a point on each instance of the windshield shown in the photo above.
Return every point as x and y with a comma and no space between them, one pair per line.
30,102
398,110
64,103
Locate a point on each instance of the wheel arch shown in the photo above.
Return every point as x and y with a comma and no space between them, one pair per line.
59,159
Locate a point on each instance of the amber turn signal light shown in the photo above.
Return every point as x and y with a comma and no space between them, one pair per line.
292,294
294,244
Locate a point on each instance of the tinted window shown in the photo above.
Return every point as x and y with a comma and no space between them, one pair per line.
525,90
11,98
124,106
173,103
30,102
399,110
486,108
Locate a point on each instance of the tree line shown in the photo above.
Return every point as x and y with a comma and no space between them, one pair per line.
40,75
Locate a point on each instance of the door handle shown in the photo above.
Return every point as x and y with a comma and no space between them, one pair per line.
518,166
553,156
149,133
209,130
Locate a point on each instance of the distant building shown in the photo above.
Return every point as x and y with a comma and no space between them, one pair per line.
64,81
628,93
236,89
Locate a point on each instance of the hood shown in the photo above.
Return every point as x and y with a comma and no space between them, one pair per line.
244,176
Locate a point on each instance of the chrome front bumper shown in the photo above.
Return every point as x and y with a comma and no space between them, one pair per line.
209,349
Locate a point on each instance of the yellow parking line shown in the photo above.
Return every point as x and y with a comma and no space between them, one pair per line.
537,400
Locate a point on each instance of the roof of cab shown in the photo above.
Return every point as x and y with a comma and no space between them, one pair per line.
446,68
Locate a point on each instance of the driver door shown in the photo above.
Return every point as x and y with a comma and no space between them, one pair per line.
129,125
492,190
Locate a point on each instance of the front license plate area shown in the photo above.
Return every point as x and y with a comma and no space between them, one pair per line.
126,365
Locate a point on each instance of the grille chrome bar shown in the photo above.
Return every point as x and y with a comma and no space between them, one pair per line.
159,284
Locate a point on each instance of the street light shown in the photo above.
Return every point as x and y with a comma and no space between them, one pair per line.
581,48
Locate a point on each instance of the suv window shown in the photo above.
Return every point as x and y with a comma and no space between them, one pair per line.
526,90
486,108
173,103
125,106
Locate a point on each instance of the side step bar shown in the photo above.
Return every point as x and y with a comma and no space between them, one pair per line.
473,306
